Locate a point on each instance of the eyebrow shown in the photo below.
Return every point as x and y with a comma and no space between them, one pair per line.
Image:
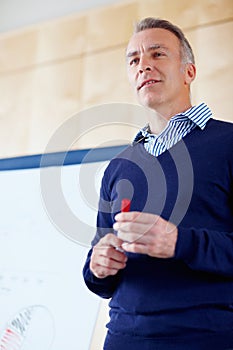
150,48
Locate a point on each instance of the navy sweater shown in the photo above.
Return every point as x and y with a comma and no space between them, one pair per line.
192,186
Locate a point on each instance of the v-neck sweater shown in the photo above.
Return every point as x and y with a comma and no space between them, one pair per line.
191,185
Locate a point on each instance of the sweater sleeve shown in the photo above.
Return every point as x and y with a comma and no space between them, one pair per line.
206,250
211,250
104,287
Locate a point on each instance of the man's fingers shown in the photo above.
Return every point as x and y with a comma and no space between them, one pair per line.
106,260
141,223
135,216
131,227
133,231
101,272
111,264
108,254
134,248
103,266
110,240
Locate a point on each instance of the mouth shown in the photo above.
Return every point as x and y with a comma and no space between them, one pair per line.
148,82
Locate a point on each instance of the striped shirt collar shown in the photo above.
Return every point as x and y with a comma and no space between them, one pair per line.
199,115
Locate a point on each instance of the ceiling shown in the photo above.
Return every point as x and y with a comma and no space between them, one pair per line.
15,14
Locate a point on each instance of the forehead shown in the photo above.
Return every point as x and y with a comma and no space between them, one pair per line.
151,38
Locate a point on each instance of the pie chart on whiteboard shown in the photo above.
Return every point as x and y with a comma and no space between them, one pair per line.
30,328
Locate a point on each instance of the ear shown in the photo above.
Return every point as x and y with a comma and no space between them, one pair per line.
190,73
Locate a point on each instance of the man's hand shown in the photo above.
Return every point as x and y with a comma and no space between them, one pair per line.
106,260
146,234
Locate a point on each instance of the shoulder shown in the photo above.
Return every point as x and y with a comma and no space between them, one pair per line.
129,160
220,129
224,125
116,162
219,139
130,153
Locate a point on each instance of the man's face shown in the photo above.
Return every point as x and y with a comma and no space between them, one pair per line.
156,71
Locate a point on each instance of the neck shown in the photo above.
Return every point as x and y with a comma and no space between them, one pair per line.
159,117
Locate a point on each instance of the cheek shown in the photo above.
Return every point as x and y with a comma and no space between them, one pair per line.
132,77
176,79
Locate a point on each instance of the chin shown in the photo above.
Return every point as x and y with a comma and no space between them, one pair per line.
151,104
150,101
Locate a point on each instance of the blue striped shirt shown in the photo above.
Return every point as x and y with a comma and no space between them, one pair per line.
178,127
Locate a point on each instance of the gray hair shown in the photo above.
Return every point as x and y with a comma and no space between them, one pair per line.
150,23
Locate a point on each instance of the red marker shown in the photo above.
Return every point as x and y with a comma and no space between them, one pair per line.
125,205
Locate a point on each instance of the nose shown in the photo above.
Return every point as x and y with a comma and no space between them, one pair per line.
144,65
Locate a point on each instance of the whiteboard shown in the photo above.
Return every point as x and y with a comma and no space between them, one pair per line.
44,303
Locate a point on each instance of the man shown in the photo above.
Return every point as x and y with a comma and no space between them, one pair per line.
167,265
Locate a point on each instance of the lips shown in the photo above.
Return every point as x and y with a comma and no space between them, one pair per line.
148,82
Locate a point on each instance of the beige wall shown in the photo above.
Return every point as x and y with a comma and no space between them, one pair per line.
52,71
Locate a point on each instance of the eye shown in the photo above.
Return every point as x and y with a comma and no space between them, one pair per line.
158,54
134,61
